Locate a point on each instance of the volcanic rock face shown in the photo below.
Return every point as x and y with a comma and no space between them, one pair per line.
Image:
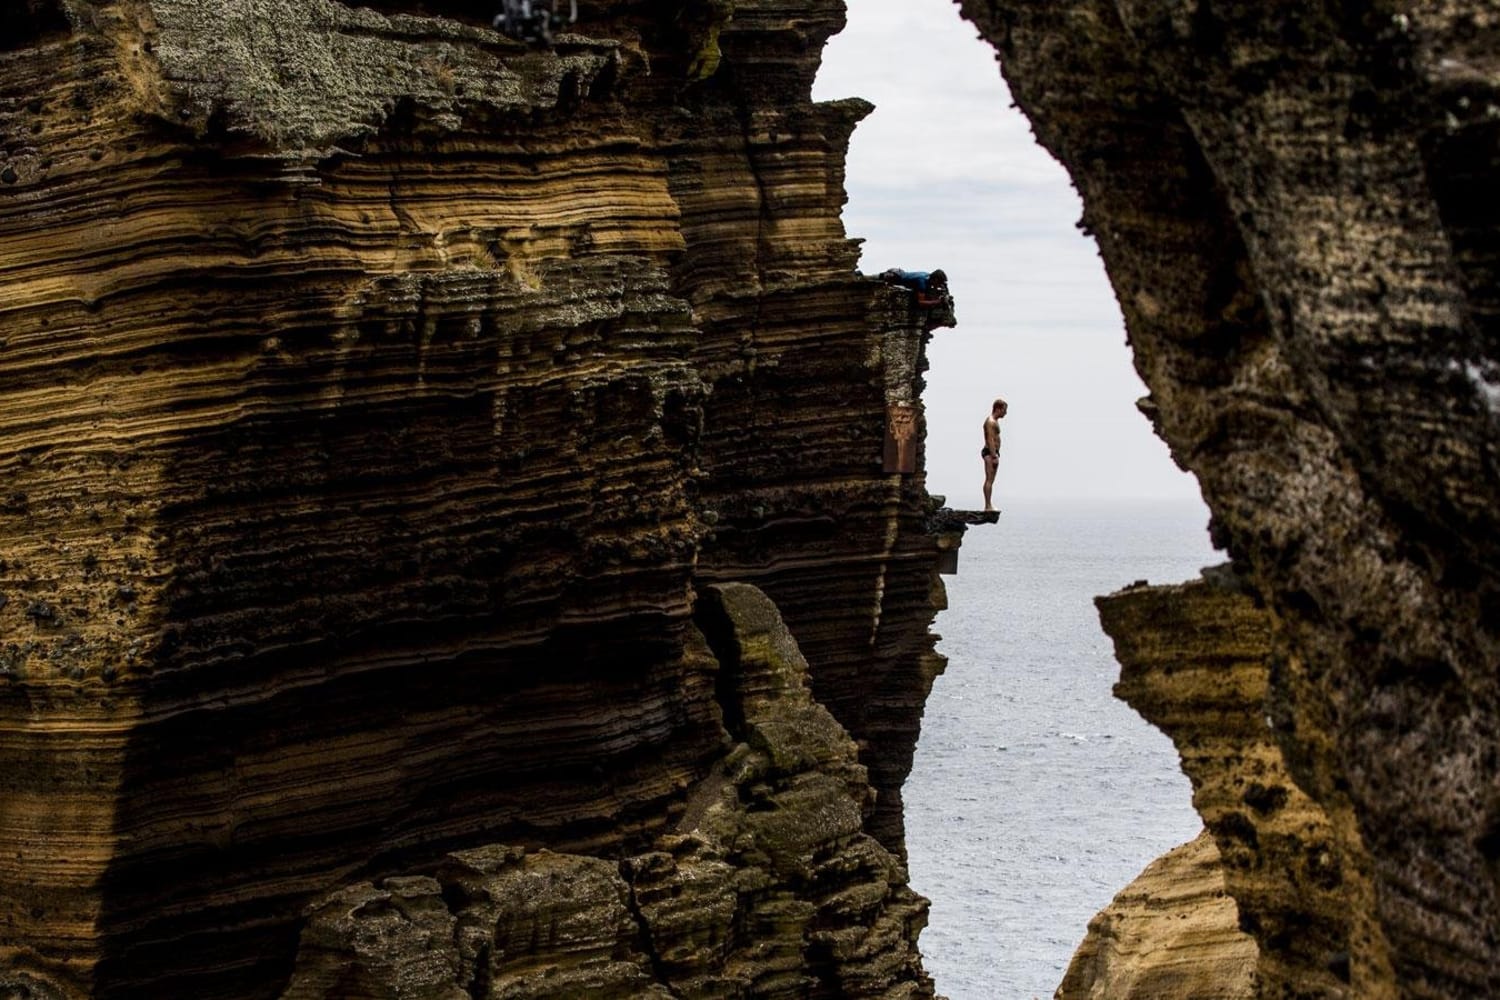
767,888
1172,934
378,394
1288,200
1195,661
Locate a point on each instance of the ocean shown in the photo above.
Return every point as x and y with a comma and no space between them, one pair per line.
1035,796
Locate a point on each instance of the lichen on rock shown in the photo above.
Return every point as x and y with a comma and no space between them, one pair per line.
304,76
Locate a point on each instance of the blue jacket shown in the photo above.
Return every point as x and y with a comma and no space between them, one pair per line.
911,279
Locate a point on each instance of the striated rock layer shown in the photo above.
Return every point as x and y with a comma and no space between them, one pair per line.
1292,201
768,887
378,394
1196,662
1172,934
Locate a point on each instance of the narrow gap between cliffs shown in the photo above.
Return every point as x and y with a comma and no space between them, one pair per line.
1035,796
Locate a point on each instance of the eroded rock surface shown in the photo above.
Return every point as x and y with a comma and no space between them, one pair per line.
768,887
1172,934
378,394
1288,199
1196,662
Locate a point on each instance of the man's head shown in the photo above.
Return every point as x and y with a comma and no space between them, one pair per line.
998,409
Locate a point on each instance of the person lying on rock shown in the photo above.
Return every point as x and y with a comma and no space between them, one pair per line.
931,286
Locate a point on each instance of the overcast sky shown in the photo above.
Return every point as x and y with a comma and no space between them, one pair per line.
946,174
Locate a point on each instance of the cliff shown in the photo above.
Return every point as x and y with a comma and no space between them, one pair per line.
1291,202
768,887
1172,934
380,394
1196,661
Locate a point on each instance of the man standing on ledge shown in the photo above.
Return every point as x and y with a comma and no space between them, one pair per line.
991,451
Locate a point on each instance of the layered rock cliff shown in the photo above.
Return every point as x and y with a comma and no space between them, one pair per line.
1196,662
1291,201
1172,934
768,886
379,393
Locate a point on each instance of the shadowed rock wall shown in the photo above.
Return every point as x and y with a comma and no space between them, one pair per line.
768,887
1287,199
377,394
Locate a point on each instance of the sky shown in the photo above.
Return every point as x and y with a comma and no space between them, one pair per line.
946,174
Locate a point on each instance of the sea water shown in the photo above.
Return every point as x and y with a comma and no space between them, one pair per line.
1035,795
